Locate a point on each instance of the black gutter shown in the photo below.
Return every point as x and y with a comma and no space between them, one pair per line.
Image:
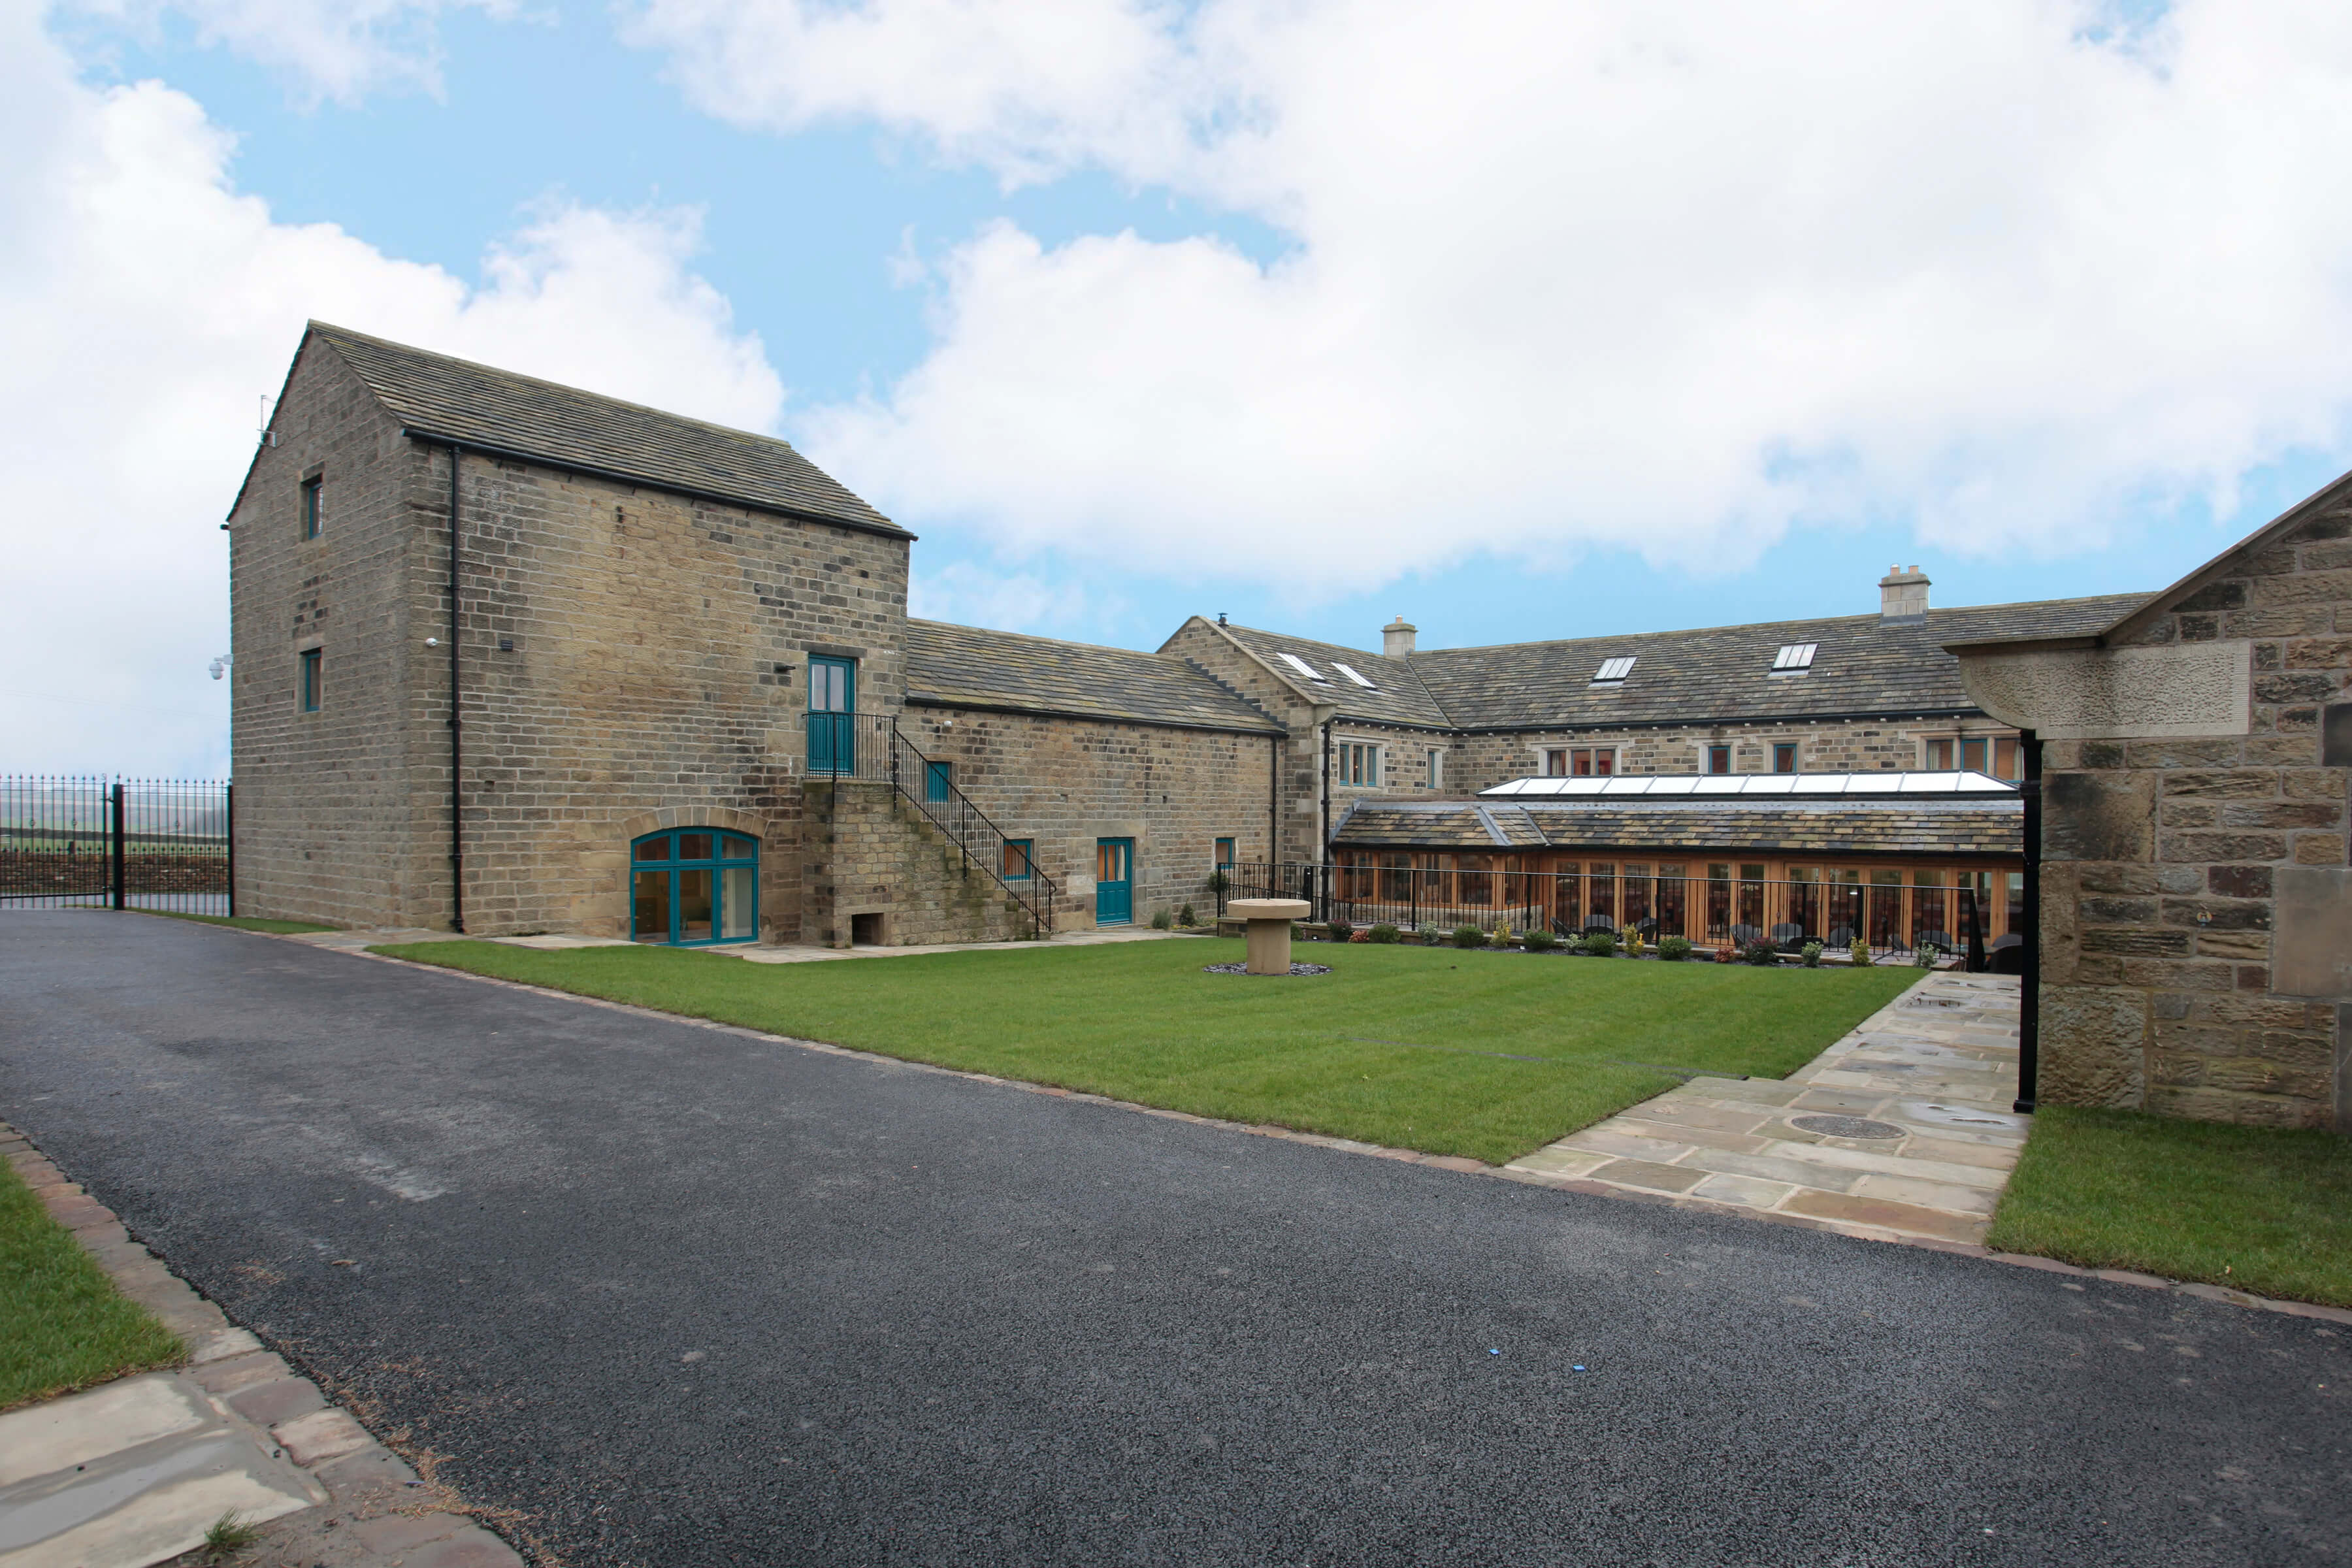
641,482
457,754
1323,801
2029,994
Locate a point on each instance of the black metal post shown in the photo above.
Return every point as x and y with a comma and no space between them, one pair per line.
228,828
1976,930
119,901
2029,991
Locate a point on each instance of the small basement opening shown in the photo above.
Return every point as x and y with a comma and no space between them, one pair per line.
866,930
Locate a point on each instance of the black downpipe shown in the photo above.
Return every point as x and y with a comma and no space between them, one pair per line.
1323,802
228,811
457,750
2029,993
1273,801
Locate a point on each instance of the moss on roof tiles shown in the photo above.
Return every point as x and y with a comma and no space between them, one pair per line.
458,400
956,665
1904,827
1863,665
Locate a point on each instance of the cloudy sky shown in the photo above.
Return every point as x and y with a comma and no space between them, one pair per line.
1532,320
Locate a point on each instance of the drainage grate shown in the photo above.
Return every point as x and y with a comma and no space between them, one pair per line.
1846,1126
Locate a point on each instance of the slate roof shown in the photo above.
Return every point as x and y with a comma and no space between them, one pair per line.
435,396
1863,666
1400,698
967,666
1949,828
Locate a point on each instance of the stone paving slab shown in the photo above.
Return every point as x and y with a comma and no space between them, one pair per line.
1938,1066
134,1472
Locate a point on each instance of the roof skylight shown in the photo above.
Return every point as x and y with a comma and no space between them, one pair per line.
1350,671
1303,667
1794,659
1612,670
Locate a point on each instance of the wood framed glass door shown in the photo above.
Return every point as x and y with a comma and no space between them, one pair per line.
833,697
1114,881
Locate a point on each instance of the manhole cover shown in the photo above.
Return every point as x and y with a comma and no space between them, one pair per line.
1846,1126
1243,969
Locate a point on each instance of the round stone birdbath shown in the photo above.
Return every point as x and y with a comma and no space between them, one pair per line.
1269,931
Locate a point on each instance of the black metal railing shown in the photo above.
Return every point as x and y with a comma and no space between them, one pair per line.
1893,919
103,842
869,748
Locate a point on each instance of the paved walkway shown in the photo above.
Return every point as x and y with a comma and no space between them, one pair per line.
1900,1128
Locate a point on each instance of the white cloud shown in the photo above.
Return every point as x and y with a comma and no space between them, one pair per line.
144,305
1669,275
972,594
340,49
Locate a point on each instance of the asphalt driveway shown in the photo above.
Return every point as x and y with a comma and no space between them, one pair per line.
678,1296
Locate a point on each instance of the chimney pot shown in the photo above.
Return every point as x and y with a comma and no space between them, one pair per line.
1396,638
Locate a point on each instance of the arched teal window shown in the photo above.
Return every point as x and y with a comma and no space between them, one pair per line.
693,886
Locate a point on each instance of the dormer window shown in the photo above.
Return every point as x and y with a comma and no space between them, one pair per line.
1303,667
1794,659
1350,671
1613,671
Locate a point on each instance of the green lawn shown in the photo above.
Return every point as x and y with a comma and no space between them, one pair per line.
63,1325
1386,1048
242,923
2253,1207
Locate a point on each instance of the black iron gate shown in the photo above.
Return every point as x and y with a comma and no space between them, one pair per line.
104,842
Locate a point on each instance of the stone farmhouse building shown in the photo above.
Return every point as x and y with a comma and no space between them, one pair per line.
514,657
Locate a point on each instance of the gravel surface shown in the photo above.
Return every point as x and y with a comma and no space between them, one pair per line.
675,1295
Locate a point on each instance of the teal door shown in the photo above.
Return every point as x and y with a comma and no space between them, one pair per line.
833,698
1114,881
939,781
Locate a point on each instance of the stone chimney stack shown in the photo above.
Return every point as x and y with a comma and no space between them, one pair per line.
1396,638
1902,597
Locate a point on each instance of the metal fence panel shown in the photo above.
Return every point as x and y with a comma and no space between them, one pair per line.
105,842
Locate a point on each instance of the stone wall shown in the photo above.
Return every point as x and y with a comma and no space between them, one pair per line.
1298,836
336,809
632,660
1065,782
2195,894
871,852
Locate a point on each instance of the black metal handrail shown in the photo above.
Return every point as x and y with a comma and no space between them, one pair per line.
869,748
1894,921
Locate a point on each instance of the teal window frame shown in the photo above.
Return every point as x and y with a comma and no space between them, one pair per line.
1784,750
939,781
1718,759
312,496
717,863
310,682
1028,849
1225,854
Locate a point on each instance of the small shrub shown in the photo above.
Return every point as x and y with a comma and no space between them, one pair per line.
1219,882
1469,936
1812,953
1382,933
1541,942
1361,936
1500,937
1634,942
1762,954
1727,954
1340,930
1860,953
1601,943
1163,921
1427,932
1673,948
1184,917
1927,955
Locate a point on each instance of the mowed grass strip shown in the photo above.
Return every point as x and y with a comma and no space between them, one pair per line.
2261,1209
63,1325
1386,1048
